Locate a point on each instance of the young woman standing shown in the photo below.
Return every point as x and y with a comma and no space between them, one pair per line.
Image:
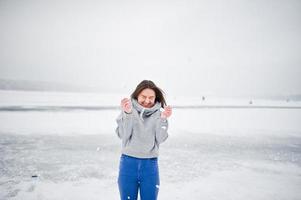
142,127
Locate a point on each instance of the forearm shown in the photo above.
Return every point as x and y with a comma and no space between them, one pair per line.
161,130
125,125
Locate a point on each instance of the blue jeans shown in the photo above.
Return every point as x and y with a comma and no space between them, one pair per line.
138,174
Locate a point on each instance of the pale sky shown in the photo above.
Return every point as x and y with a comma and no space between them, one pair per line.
186,47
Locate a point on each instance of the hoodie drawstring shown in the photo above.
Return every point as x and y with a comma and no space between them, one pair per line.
141,114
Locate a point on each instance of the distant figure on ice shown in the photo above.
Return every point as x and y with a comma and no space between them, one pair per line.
142,127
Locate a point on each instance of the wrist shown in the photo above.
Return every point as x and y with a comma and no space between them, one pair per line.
163,120
127,111
163,116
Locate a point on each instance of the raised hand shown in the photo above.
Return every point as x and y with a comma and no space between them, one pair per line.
126,105
167,112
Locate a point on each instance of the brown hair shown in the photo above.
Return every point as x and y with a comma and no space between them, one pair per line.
151,85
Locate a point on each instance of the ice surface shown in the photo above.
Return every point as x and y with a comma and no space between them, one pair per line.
229,154
192,166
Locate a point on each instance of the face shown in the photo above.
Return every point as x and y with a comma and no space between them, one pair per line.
146,98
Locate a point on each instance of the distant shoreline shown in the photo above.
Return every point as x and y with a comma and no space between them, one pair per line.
95,108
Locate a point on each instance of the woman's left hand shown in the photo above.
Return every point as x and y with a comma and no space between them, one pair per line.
167,112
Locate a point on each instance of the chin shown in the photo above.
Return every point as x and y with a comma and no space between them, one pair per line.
148,106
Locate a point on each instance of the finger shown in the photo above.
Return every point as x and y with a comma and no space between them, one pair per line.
125,100
168,108
128,102
122,102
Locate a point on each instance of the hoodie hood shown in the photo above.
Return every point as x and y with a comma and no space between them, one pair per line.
145,112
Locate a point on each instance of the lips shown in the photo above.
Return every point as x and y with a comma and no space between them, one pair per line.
147,106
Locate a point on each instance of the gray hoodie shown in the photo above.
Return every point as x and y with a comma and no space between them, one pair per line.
142,131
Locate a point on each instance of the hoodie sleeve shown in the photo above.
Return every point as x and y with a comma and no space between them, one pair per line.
124,125
161,130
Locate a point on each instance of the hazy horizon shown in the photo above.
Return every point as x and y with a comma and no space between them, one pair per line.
186,47
36,86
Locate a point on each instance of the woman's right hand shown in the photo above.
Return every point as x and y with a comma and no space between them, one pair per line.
126,105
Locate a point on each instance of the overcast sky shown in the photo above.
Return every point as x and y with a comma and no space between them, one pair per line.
186,47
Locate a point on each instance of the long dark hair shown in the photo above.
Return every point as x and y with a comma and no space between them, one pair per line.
151,85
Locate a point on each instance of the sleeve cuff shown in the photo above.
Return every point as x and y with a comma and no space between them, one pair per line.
126,115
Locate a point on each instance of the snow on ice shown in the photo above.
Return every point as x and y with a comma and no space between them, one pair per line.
211,153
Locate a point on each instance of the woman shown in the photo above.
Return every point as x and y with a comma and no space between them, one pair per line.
142,127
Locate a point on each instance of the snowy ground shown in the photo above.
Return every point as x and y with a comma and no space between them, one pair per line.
211,154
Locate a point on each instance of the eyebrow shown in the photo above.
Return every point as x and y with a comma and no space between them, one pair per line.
149,96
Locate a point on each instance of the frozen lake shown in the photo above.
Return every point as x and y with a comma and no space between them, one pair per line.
229,154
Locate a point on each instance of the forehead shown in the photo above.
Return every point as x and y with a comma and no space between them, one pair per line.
148,92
